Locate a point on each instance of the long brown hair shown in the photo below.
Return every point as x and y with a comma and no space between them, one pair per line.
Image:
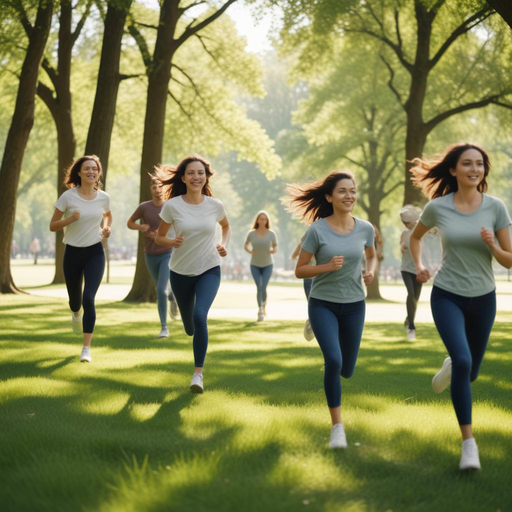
308,201
72,179
433,175
255,223
169,177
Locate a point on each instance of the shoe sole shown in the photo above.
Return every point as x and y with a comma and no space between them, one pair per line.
447,362
85,360
197,390
468,468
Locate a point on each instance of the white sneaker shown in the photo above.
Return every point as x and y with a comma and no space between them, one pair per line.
76,323
443,377
338,438
469,458
261,315
85,356
164,333
196,385
411,335
173,309
308,331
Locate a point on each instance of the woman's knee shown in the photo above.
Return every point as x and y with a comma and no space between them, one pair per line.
333,364
461,365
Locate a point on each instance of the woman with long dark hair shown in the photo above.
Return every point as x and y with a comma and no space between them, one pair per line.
261,244
474,227
195,262
80,211
337,307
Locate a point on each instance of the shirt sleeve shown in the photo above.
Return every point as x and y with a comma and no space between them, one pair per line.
137,214
428,215
62,202
106,208
370,240
166,213
274,237
502,216
221,214
248,237
311,243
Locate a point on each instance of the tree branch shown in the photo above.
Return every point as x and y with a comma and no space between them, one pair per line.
50,71
187,114
24,18
46,94
392,189
141,43
81,23
195,4
390,81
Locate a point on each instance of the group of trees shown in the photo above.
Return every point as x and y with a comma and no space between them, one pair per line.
370,83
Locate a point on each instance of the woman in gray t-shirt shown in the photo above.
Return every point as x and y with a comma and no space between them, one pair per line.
261,244
474,227
337,241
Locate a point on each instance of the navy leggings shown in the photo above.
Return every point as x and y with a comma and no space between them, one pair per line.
158,266
195,295
464,324
261,276
308,283
338,329
413,296
84,264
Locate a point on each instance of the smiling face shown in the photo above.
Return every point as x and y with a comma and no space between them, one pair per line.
89,172
470,169
262,220
344,196
194,177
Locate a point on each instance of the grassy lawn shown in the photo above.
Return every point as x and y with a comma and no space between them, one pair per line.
124,433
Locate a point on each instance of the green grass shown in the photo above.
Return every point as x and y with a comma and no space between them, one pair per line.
124,433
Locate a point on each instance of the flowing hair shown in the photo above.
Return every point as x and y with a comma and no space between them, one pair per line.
308,201
255,223
169,177
432,176
72,179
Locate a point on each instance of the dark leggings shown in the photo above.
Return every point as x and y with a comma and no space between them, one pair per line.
195,295
338,329
84,264
413,296
308,283
261,276
464,324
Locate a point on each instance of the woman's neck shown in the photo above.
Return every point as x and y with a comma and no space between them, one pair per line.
261,229
193,197
87,189
343,220
467,195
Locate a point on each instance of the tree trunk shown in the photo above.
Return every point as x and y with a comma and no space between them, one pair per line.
17,138
504,9
373,290
415,141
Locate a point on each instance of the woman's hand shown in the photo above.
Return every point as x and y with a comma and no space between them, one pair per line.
177,242
105,232
487,236
423,275
222,250
150,234
367,277
335,264
75,216
144,228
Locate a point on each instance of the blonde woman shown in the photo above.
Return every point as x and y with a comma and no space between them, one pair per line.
261,244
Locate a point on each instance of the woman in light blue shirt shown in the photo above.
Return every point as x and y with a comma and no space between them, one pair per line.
337,241
474,227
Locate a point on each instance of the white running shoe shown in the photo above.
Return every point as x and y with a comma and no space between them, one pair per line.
338,437
443,377
85,356
469,458
164,333
173,309
261,315
76,323
196,385
308,331
411,335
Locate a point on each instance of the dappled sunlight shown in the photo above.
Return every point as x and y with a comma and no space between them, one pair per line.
143,412
14,389
102,402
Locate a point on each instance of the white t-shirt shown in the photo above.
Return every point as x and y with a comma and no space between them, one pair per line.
86,230
196,223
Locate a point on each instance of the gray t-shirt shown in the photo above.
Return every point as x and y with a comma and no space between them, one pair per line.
261,245
150,213
407,264
466,267
345,285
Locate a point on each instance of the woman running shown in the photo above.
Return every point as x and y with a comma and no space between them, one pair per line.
261,243
84,206
157,257
338,241
474,227
409,215
195,262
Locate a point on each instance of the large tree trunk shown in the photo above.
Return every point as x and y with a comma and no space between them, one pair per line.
504,9
373,290
17,138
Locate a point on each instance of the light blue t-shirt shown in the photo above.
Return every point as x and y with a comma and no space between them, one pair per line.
466,267
344,285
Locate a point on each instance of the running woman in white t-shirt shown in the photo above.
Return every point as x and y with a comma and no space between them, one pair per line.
80,211
196,258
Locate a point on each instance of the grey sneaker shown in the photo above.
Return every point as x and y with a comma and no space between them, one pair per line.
443,377
76,323
411,334
164,333
308,331
196,385
469,458
85,356
261,315
338,437
173,309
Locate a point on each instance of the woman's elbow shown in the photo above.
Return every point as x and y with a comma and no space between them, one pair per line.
52,228
158,240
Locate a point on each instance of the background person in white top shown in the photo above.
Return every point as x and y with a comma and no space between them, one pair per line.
196,258
80,211
261,243
474,227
